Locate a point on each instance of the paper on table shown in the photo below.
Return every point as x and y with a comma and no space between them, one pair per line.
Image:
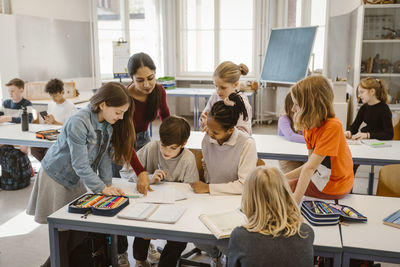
163,194
167,214
152,212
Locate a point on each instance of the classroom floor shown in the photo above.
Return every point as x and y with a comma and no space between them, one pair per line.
24,243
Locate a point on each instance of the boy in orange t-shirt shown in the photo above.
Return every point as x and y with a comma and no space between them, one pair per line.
313,108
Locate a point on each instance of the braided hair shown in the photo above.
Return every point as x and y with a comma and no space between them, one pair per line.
227,112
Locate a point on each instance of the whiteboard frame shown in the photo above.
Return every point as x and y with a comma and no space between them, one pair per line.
265,54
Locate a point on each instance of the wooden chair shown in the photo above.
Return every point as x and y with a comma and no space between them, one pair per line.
389,181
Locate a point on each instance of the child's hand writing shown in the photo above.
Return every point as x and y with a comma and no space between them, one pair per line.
347,134
200,187
111,190
143,185
359,136
158,176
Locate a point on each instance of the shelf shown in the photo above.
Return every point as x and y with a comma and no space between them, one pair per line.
382,6
382,41
388,75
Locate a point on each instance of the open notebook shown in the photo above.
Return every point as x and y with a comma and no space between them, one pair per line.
222,224
152,212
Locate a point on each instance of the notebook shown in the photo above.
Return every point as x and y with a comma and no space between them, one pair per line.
393,219
152,212
375,143
222,224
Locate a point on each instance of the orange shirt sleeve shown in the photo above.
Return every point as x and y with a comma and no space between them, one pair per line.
327,143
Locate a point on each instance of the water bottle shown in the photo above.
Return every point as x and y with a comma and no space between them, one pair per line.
24,120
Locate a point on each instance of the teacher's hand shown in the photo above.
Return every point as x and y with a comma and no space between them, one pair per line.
143,185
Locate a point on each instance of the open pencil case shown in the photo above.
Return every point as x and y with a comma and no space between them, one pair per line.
98,204
48,134
320,213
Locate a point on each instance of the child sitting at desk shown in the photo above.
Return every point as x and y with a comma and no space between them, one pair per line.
57,112
226,80
286,129
314,115
170,161
229,155
274,225
16,166
374,112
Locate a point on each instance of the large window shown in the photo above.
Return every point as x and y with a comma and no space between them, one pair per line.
212,31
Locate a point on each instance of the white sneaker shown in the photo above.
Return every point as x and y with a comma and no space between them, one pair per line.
143,264
153,255
123,260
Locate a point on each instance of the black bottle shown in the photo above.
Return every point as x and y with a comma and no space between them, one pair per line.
24,120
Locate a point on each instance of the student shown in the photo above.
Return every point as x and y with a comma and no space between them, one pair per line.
374,112
12,107
169,161
150,99
57,112
314,115
229,155
226,80
81,155
274,225
286,129
61,109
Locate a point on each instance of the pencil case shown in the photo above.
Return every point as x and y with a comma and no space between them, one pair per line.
98,204
320,213
48,134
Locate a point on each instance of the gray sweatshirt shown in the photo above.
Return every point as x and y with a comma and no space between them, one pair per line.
180,169
254,249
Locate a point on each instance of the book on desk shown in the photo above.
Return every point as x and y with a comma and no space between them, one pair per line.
393,219
222,224
160,213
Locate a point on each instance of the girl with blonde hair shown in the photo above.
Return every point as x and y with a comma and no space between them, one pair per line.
325,140
226,80
274,224
374,112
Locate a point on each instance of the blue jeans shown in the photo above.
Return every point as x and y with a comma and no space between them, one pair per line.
142,138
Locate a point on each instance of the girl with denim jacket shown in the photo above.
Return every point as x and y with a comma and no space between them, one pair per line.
82,155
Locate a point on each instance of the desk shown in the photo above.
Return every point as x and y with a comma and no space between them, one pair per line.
196,93
279,148
11,134
188,229
371,240
83,97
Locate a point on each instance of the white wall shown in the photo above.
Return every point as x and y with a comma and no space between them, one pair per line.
340,7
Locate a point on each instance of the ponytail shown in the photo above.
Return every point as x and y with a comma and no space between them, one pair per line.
228,111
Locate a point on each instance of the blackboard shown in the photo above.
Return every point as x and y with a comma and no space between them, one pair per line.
288,55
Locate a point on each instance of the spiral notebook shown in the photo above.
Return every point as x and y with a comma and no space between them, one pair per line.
161,213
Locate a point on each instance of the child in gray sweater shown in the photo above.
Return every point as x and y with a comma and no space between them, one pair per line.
274,234
170,161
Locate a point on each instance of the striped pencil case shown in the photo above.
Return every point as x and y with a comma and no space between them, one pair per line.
98,204
319,213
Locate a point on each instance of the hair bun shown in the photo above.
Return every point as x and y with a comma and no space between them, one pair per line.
243,69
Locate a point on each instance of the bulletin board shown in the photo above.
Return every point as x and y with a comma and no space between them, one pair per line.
121,55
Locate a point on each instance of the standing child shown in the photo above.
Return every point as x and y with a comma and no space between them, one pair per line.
229,155
374,112
274,225
314,115
286,129
82,156
170,161
226,80
57,112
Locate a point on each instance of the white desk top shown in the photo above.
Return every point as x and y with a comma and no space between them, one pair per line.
195,92
277,147
372,235
11,134
83,97
189,225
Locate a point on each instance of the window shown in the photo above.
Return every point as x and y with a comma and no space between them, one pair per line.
109,30
214,31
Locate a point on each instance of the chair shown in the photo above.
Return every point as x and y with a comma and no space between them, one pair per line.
388,181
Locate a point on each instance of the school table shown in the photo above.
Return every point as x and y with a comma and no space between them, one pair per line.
187,229
83,97
371,240
279,148
196,93
11,134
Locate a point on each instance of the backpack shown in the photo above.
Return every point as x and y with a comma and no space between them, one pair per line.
16,170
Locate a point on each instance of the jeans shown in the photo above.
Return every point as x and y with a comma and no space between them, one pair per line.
169,256
142,138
